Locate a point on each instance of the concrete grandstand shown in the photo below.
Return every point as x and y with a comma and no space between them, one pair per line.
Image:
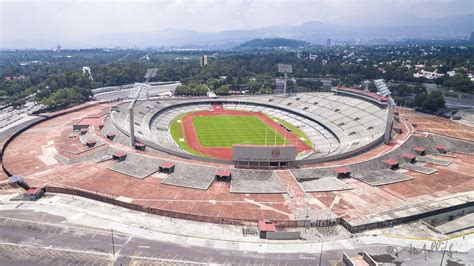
348,171
337,125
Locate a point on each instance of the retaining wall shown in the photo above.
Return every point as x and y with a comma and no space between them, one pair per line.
175,214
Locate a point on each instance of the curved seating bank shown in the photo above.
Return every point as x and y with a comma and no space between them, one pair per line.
338,126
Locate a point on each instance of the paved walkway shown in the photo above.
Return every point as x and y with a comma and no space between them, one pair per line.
84,212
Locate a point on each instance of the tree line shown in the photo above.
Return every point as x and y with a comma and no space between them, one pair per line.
47,73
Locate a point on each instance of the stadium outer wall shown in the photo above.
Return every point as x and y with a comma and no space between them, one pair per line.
239,222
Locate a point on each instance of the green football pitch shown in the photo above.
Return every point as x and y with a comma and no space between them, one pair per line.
226,130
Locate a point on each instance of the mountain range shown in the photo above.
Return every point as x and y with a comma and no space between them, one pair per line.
395,28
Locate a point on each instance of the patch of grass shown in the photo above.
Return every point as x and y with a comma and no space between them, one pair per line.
174,130
226,130
295,131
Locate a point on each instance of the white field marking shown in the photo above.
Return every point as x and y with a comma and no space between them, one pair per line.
205,201
117,254
76,216
107,255
64,226
58,249
144,246
266,207
47,160
43,172
346,244
335,201
181,139
124,199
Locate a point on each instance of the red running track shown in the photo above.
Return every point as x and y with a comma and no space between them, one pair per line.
226,152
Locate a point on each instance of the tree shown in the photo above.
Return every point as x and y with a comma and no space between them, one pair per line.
213,84
431,101
200,89
66,97
223,90
183,90
265,90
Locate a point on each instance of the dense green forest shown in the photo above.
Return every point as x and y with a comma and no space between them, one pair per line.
56,79
271,43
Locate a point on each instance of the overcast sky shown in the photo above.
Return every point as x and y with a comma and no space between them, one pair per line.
61,20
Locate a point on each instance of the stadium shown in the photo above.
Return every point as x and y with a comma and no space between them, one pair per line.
211,128
345,157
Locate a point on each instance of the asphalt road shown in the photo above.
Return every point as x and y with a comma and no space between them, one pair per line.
32,238
459,102
36,238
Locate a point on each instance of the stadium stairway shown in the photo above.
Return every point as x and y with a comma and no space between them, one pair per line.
294,189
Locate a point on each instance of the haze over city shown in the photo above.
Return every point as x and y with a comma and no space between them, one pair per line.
88,23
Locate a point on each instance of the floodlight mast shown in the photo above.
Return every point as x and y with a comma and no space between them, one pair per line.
383,90
284,68
150,73
139,91
131,122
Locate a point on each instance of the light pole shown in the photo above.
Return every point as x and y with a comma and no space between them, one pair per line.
444,252
307,216
113,244
321,253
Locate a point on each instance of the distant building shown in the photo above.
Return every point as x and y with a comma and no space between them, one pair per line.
328,42
427,74
203,60
471,77
58,48
472,37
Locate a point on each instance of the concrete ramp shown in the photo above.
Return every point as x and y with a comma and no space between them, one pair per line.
383,177
431,160
132,169
462,223
256,182
418,168
191,176
323,184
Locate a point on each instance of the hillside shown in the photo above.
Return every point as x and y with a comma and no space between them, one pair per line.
271,43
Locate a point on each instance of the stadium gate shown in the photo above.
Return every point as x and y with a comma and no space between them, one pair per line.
263,157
